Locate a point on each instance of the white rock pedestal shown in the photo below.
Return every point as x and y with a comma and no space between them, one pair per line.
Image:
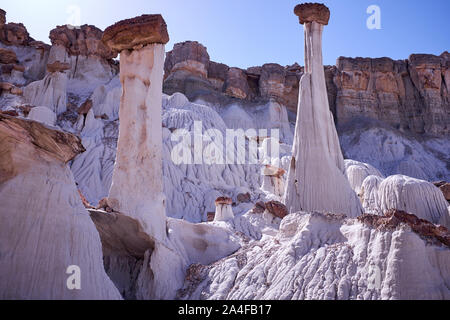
224,212
137,184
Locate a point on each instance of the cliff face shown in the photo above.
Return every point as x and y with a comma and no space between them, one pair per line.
411,95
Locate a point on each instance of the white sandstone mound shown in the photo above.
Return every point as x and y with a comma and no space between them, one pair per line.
268,116
394,152
414,196
369,195
82,70
50,92
357,171
43,114
316,180
106,99
44,227
318,256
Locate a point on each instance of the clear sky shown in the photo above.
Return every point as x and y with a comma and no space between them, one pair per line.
246,33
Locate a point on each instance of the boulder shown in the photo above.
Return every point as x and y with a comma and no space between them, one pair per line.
136,32
277,209
309,12
259,207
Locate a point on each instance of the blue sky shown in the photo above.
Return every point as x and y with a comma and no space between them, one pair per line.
246,33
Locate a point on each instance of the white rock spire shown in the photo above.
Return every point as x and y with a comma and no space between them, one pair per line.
137,187
316,180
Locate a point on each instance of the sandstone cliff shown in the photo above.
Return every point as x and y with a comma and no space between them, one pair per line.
411,95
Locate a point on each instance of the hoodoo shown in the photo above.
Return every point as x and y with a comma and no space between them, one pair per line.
273,180
224,211
137,187
316,180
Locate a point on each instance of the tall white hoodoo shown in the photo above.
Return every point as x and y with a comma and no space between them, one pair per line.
316,180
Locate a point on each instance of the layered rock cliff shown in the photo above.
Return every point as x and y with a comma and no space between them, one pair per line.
411,95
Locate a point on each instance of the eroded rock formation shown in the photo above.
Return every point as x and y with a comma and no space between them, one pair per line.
55,229
328,257
137,182
190,56
411,95
392,91
22,59
137,178
273,181
81,54
224,211
316,180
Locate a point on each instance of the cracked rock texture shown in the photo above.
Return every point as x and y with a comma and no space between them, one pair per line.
324,256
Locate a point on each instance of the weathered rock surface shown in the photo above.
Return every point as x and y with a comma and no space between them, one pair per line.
430,232
190,56
82,41
50,92
399,192
309,12
277,209
324,256
58,66
445,188
135,32
81,55
236,84
217,74
2,17
411,95
7,56
408,94
14,34
55,229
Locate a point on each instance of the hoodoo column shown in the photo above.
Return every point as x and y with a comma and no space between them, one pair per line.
316,180
137,184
